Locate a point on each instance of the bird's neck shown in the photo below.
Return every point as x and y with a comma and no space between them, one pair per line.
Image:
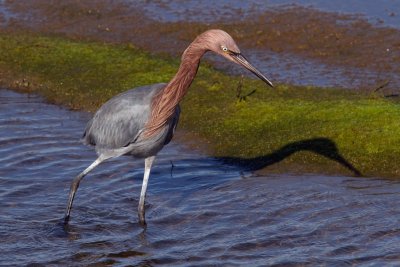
180,83
165,102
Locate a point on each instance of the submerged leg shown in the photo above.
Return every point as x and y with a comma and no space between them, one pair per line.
147,167
75,185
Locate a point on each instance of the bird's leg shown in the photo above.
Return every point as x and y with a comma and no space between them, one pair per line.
172,167
147,167
75,185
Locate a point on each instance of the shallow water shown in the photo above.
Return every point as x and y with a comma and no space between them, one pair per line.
384,12
5,13
200,212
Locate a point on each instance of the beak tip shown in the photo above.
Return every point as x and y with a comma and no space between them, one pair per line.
241,60
269,83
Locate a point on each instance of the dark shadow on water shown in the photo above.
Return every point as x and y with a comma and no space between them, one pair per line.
321,146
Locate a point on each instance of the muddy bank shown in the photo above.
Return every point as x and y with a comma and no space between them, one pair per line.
303,113
293,125
332,39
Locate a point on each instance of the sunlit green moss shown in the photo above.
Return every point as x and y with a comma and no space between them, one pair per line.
90,72
365,129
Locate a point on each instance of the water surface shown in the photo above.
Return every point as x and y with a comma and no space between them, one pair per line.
200,212
383,12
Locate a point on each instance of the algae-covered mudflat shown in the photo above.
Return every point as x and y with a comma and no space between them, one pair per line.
304,129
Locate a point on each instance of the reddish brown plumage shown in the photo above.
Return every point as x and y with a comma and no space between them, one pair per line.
165,102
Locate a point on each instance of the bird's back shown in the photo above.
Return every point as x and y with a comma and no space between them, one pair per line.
118,122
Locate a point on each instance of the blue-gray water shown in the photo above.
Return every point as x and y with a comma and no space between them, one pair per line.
204,213
382,12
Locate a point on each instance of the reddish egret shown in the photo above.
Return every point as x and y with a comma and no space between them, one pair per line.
140,122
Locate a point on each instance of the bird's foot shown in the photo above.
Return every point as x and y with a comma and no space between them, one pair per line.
66,219
142,220
142,223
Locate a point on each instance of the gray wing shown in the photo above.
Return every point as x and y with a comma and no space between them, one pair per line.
118,122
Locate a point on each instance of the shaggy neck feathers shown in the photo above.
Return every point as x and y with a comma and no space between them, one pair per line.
165,102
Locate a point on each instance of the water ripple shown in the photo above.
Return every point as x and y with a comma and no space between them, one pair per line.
199,212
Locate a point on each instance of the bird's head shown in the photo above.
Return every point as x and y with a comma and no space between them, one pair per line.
223,44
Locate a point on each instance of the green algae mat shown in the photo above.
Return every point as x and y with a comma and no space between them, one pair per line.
291,128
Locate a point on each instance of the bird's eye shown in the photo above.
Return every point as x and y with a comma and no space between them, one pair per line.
224,48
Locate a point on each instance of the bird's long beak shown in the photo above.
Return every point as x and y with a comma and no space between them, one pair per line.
240,59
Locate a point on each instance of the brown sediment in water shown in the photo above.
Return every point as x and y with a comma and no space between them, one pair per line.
330,38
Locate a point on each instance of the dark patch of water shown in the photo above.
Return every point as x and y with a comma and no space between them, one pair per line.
204,213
